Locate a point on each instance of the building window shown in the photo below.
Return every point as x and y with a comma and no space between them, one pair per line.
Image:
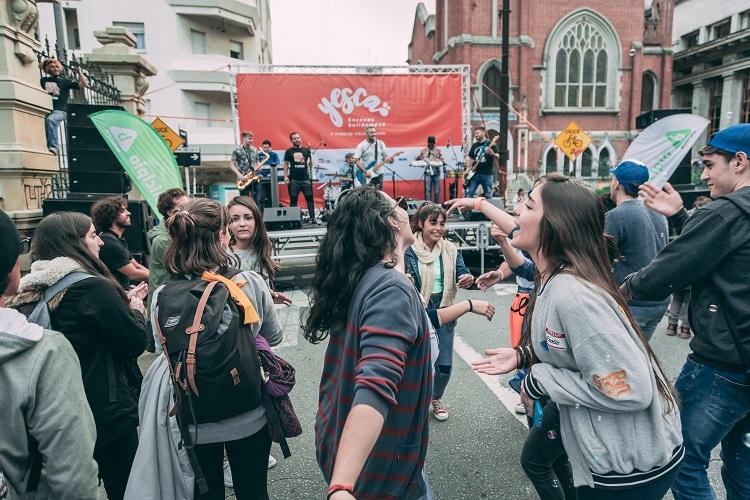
566,166
648,91
203,110
745,108
550,161
582,61
715,88
587,163
690,40
198,42
491,87
236,50
138,31
605,161
71,29
720,29
745,20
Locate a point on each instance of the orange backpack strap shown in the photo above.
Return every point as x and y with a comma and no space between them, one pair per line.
238,296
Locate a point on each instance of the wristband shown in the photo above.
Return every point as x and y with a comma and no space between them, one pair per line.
478,203
471,306
339,487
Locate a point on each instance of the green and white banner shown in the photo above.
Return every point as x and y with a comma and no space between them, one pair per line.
662,145
141,151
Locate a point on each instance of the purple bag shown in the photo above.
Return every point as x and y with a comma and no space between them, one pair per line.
279,381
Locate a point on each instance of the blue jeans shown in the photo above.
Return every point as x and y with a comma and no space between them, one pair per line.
715,409
432,187
52,126
648,318
484,180
444,363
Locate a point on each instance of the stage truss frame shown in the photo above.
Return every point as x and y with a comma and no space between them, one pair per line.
430,69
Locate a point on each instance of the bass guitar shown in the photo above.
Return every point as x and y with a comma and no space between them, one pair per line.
252,176
469,173
374,168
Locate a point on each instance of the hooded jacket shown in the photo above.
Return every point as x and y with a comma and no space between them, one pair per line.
158,237
107,337
712,256
43,399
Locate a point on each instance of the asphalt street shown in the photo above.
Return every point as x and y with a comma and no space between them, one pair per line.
472,455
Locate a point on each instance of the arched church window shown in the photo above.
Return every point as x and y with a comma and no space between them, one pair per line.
491,87
550,161
604,164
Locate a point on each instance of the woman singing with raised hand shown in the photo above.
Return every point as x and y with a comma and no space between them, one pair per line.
619,419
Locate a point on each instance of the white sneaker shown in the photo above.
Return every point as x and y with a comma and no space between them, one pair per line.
227,475
439,410
271,461
520,409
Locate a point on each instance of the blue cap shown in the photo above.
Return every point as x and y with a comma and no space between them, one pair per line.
631,174
733,139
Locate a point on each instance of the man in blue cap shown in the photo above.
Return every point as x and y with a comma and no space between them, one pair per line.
712,256
641,233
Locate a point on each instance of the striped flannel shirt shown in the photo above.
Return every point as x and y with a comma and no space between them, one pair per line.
381,359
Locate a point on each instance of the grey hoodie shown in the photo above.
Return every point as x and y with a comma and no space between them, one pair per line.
595,368
42,397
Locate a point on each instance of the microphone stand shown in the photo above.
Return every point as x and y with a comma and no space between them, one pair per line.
455,159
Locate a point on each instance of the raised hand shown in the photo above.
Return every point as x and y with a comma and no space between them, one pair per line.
488,279
465,281
666,201
499,361
460,204
280,298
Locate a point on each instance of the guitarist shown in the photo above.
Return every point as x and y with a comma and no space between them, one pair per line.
369,152
479,169
297,174
244,159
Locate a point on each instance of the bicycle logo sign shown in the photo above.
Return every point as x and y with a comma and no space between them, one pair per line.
573,141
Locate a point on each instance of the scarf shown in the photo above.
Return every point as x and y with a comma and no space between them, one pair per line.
427,258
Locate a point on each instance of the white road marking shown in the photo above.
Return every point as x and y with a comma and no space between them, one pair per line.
495,383
505,289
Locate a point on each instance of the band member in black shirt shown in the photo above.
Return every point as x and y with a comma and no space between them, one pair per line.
297,164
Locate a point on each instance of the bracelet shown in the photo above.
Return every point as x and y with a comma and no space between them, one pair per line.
478,203
471,306
519,358
339,487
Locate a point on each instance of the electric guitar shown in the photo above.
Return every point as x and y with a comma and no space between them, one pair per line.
375,168
469,173
252,176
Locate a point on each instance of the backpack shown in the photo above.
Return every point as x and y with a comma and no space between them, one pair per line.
210,348
40,313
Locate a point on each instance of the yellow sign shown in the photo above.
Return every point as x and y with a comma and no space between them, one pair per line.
573,141
172,138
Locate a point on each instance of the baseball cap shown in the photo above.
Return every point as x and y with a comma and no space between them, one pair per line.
631,174
732,139
10,244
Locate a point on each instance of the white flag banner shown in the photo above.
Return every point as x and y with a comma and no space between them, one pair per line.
663,144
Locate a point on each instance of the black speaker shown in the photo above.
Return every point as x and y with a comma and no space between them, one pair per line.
140,215
86,138
645,119
282,218
92,160
80,181
78,114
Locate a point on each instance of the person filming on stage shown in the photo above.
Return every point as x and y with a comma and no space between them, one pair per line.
432,155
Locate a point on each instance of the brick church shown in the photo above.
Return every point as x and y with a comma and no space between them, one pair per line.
599,63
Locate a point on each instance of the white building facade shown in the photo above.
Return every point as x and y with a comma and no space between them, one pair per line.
711,64
192,43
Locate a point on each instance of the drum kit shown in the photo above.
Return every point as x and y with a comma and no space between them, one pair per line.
334,186
433,166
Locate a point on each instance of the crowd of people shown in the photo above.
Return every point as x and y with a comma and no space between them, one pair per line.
605,421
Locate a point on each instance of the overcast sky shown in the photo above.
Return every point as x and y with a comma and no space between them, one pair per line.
346,32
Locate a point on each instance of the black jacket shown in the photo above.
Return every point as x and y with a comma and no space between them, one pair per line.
712,256
108,337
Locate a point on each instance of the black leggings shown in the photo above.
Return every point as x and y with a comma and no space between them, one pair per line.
248,459
115,459
544,460
295,187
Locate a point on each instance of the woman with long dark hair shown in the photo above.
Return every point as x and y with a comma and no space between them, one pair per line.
371,428
619,416
106,327
438,270
250,243
199,235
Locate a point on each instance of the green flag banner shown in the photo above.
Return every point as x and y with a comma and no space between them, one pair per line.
141,151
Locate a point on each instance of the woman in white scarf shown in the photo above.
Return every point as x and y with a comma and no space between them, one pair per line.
438,270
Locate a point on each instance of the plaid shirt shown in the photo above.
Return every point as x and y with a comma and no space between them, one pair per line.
245,158
381,359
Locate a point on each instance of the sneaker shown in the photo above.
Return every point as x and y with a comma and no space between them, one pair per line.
684,332
439,411
227,475
271,461
520,409
672,329
53,151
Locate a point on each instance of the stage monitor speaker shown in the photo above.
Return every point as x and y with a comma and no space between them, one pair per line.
645,119
98,182
477,215
141,217
282,218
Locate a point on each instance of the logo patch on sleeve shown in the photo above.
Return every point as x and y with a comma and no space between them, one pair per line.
555,340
